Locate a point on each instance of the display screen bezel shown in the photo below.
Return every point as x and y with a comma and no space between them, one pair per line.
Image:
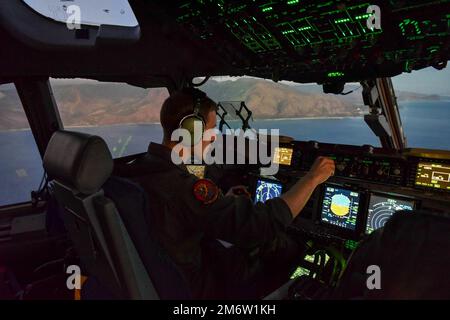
291,156
385,195
258,178
428,161
358,214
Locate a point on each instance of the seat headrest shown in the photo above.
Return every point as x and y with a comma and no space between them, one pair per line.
79,161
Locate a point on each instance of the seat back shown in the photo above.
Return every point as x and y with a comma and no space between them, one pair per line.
412,253
79,164
133,206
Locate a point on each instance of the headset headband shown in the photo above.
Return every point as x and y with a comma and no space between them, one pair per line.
197,97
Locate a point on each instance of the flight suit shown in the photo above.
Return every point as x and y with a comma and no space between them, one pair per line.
187,225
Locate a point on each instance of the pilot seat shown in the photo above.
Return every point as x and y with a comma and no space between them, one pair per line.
107,219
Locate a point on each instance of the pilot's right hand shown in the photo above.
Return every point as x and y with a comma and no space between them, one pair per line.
321,170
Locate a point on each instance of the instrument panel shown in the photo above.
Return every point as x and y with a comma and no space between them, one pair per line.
340,207
267,189
352,212
370,184
382,207
433,175
369,164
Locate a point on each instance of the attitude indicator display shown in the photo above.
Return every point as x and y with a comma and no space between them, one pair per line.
266,190
283,156
381,208
434,175
340,207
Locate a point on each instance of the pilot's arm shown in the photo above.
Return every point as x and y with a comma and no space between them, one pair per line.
237,220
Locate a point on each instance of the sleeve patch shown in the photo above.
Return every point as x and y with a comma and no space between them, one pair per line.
205,191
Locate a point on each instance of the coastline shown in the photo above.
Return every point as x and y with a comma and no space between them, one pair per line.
255,120
308,118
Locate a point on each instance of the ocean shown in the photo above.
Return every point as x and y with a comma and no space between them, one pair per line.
426,125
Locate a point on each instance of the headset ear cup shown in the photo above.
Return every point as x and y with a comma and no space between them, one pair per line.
191,123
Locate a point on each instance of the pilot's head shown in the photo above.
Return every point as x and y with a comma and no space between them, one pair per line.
186,109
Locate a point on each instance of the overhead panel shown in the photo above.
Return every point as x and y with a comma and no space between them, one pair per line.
322,40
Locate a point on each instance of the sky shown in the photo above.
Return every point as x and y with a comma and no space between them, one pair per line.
428,81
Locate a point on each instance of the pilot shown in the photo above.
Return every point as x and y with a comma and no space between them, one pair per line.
188,213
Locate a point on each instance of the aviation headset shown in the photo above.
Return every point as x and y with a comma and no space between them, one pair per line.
190,121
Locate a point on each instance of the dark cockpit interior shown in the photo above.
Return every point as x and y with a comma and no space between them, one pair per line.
387,205
301,41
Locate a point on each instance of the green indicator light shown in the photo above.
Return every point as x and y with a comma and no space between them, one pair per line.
304,28
335,74
342,20
299,272
350,244
325,4
291,2
288,31
363,16
267,9
402,25
237,9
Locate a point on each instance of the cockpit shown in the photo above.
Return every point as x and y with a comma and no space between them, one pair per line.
364,84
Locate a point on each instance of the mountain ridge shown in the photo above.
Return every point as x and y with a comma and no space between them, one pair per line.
94,104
